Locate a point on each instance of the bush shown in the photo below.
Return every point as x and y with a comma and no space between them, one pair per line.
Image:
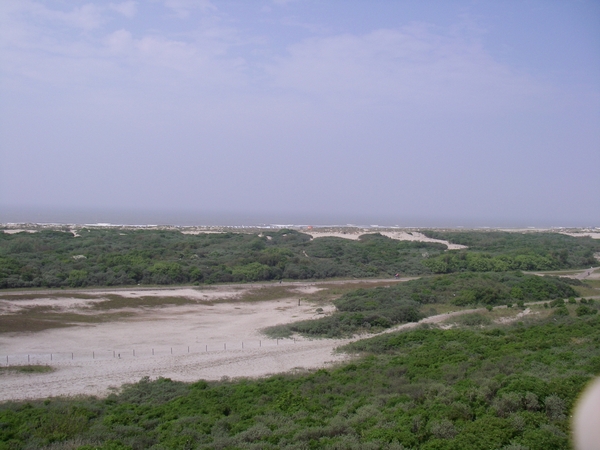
584,310
555,407
443,429
474,320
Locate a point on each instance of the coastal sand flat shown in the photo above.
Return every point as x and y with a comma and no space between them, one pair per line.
223,340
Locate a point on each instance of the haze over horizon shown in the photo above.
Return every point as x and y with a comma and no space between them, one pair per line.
456,113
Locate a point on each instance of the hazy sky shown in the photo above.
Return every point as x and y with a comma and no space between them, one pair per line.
454,112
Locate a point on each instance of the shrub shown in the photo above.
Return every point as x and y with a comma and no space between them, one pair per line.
507,404
584,310
474,319
561,311
555,407
443,429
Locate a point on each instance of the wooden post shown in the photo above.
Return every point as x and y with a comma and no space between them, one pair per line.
152,352
188,348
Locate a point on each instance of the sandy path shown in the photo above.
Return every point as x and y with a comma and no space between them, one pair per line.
398,235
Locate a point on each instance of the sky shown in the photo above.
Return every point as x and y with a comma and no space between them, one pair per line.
409,113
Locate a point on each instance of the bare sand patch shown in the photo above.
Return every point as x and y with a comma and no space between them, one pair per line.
397,235
14,231
199,340
593,235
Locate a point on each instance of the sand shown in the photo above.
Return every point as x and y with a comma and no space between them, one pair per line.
398,235
203,340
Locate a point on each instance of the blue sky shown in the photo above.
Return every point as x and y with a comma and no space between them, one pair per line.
405,112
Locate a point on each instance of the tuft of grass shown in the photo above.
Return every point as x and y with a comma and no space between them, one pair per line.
474,320
28,368
119,302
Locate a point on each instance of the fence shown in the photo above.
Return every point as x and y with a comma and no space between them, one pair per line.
136,352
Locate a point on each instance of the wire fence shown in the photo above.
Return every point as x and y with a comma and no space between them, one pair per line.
48,358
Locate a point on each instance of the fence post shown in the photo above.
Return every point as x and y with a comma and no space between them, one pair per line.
152,352
27,358
134,352
188,348
93,355
50,356
206,348
71,355
224,346
171,350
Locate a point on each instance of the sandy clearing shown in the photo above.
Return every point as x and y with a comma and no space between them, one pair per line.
398,235
223,340
14,231
593,235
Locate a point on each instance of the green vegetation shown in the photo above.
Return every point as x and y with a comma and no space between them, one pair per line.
500,387
104,257
28,368
383,307
497,251
115,257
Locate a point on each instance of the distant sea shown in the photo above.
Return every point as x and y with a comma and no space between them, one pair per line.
82,216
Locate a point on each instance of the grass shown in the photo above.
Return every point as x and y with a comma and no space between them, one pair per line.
119,302
28,368
34,320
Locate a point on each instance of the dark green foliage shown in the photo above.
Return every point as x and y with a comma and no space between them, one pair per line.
497,251
504,388
105,257
584,310
383,307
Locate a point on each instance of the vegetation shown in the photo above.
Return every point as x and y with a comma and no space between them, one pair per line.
28,368
501,387
384,307
499,251
106,257
113,257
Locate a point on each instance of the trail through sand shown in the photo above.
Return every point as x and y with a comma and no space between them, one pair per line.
398,235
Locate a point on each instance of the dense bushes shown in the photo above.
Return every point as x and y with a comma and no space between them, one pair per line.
498,251
107,257
377,308
111,257
509,387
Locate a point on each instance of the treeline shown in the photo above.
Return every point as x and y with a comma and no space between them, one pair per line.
503,387
497,251
383,307
105,257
